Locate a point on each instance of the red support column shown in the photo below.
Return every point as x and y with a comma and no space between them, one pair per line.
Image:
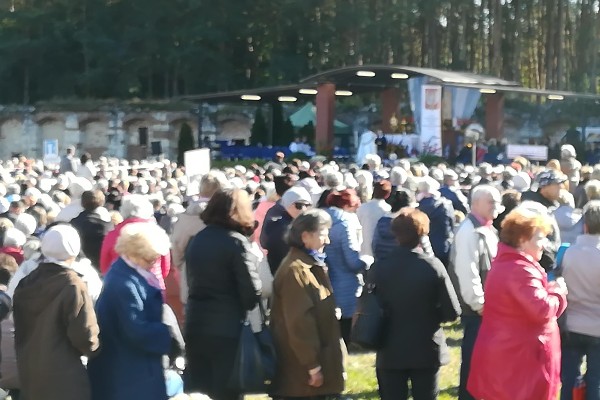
494,115
390,98
325,116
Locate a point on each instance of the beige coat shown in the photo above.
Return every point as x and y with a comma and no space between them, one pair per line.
305,328
186,227
55,324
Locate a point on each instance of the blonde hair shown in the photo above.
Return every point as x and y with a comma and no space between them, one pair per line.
142,240
554,164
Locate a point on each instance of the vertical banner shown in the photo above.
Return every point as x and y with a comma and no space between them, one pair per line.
431,119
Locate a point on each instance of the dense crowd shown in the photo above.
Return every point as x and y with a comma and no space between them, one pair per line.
102,261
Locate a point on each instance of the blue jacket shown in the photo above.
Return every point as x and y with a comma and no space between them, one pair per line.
133,339
459,201
343,262
441,225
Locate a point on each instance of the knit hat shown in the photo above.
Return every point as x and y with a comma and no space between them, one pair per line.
60,243
26,223
14,238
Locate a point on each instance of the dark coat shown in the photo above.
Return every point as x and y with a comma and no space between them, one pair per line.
133,337
458,200
441,218
306,331
417,296
92,230
223,282
55,325
272,236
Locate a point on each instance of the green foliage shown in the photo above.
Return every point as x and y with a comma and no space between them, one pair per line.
279,135
259,132
185,142
122,49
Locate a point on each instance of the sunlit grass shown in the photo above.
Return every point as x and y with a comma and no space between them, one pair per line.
362,383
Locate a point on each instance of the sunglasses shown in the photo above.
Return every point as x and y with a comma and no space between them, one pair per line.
301,206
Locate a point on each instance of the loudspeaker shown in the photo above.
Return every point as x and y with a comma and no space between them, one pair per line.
143,133
156,148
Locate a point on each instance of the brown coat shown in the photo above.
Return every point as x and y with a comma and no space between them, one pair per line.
305,328
55,324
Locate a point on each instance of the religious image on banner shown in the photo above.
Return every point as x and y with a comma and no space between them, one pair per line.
432,99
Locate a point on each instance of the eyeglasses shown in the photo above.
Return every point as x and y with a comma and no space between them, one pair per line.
301,206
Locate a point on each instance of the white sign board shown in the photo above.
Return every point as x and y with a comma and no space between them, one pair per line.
51,151
431,119
197,162
530,152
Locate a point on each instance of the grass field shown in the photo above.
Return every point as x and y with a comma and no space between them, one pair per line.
362,383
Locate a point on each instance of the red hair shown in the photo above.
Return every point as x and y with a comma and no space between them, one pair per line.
343,198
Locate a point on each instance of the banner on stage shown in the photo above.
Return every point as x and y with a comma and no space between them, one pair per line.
431,119
530,152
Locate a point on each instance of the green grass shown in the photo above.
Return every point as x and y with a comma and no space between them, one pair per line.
362,384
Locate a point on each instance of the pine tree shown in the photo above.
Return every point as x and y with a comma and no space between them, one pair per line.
259,132
185,142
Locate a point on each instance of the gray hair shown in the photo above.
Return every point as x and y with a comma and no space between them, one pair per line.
592,189
591,217
334,179
484,190
135,205
311,220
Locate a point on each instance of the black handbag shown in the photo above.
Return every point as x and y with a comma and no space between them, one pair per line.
256,360
368,320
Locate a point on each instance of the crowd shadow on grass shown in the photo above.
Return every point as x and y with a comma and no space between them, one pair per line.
453,342
371,394
451,391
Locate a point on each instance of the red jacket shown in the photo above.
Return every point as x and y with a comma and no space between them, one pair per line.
108,255
517,352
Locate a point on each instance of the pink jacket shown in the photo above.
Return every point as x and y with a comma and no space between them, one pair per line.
517,352
108,255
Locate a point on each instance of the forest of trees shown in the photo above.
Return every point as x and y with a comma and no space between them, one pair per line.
157,49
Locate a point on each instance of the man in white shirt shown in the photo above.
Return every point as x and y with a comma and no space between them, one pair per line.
475,245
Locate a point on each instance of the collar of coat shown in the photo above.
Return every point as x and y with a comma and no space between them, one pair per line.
306,259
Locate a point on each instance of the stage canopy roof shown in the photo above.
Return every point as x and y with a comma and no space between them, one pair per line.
373,78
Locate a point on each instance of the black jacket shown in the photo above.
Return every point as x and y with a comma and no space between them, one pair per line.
272,237
416,295
222,276
92,230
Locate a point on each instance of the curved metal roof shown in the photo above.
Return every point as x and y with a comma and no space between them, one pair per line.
382,76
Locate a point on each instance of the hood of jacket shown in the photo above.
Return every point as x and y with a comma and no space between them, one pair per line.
337,215
39,289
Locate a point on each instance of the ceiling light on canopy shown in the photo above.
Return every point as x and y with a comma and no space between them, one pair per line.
398,75
365,74
250,97
343,93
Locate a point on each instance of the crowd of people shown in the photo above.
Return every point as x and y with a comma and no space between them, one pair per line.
102,261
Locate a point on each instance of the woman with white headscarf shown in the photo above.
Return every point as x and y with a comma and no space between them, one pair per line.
55,323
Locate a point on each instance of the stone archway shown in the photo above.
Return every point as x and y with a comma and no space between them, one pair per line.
13,140
132,138
95,138
51,128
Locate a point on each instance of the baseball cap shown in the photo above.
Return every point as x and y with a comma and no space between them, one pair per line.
295,194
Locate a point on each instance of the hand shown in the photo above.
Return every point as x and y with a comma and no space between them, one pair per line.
316,379
480,312
559,286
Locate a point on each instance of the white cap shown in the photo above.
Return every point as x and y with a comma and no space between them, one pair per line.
60,243
295,194
14,238
26,223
